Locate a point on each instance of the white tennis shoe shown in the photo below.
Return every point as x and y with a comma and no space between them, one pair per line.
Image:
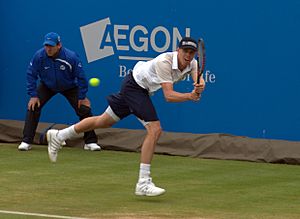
147,188
92,147
24,146
53,144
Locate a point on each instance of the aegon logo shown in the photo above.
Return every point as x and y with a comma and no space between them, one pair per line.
100,40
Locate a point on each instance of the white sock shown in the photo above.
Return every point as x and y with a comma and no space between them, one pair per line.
66,133
144,171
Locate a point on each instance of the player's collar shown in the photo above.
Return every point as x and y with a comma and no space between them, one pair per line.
175,60
175,63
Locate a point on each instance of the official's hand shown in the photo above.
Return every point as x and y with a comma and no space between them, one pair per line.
33,102
85,102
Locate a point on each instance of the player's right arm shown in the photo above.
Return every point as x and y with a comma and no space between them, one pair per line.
173,96
163,70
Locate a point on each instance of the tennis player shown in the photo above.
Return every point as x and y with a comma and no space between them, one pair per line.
134,98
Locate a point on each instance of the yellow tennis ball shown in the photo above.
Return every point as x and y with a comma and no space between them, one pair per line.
94,82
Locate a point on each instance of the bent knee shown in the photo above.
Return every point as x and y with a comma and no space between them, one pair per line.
104,121
154,129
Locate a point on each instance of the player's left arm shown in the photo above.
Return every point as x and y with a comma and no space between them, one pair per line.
198,88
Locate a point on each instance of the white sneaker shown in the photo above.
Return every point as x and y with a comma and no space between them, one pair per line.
53,144
146,187
92,147
24,146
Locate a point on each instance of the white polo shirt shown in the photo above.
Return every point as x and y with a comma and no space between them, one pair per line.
164,68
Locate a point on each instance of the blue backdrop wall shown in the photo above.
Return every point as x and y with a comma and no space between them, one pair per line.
253,67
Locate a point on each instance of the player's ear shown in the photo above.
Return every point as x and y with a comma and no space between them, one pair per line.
59,45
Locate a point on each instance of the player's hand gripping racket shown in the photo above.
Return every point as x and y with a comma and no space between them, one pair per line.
201,58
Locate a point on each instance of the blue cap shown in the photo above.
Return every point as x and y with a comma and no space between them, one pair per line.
51,39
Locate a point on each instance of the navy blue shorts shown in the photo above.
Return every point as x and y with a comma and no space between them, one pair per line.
132,99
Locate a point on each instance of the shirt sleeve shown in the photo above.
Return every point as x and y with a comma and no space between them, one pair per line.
32,76
81,79
164,71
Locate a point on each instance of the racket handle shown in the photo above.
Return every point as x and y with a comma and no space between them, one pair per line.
198,78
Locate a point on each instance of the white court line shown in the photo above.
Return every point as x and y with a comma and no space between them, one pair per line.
39,215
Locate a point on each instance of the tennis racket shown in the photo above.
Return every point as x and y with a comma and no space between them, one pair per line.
201,58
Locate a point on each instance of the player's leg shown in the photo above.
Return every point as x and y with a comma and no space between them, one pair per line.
117,110
104,120
56,137
141,106
150,141
82,112
33,117
145,186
